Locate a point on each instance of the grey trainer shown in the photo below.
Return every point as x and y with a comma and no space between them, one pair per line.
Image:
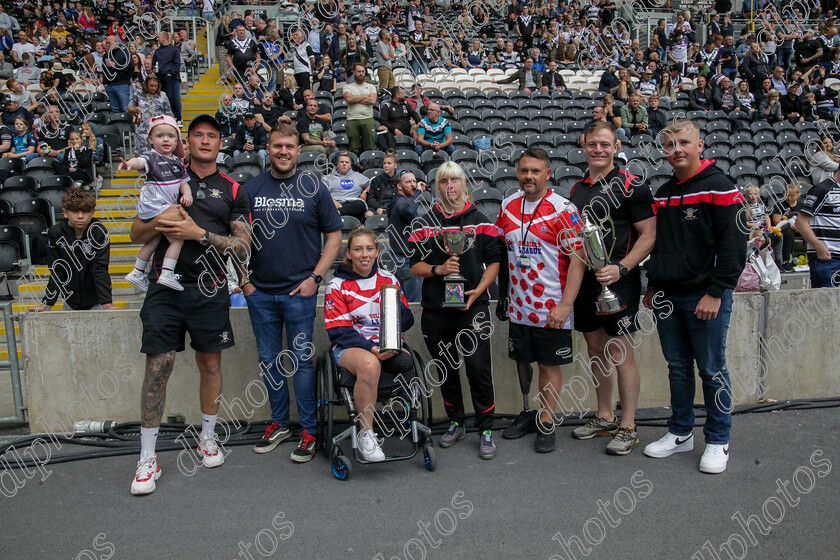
623,442
487,447
455,433
595,427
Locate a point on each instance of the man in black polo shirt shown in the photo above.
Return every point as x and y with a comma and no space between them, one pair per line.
213,228
612,192
395,117
116,74
52,133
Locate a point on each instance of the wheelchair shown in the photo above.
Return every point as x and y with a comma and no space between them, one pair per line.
407,409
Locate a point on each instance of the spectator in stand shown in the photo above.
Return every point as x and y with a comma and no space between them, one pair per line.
269,113
818,222
552,80
145,104
671,84
240,101
625,88
434,132
475,56
24,98
348,188
700,98
81,239
254,89
418,41
763,91
770,109
354,55
384,59
338,43
598,115
646,86
792,104
325,75
744,97
656,116
509,58
727,59
76,160
634,117
786,34
530,80
116,74
808,51
228,116
609,111
23,141
361,97
251,137
724,97
609,80
242,52
303,58
777,80
783,216
314,131
402,211
383,187
21,46
396,116
167,58
678,48
96,145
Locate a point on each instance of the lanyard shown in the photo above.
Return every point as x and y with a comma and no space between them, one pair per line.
524,233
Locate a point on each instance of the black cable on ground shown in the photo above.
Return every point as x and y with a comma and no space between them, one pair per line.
124,439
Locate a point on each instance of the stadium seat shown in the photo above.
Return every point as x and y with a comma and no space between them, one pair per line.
5,210
371,159
378,223
36,206
35,226
13,248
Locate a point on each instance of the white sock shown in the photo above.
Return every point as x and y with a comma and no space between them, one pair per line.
148,438
141,265
208,425
169,264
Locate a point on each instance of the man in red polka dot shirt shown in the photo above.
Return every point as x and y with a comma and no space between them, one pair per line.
541,229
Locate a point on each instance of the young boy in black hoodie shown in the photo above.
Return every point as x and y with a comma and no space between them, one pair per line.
701,243
79,253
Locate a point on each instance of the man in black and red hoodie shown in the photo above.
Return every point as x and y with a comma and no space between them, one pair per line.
701,246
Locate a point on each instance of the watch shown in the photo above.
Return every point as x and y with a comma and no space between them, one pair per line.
434,270
622,270
317,277
206,239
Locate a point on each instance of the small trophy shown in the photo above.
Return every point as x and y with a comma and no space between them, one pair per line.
455,243
596,251
390,337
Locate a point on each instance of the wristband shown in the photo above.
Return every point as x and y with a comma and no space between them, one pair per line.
244,281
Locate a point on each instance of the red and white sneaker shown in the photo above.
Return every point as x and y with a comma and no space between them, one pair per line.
148,472
210,453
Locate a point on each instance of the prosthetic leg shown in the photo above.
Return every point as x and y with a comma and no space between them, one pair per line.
526,421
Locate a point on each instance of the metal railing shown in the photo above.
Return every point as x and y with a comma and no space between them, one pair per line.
13,365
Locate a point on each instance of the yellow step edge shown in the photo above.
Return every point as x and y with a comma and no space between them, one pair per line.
113,214
4,354
41,286
3,329
118,192
123,251
112,269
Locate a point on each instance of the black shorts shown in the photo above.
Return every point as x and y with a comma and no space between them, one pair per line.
628,290
167,315
550,347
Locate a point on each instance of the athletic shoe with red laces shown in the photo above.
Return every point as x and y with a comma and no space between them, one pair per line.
148,471
210,453
306,448
273,436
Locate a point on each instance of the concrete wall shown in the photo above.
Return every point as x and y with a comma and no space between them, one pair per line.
80,365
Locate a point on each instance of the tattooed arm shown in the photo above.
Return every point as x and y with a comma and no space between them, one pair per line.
236,245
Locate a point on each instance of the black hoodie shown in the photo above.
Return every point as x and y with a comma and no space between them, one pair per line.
487,249
701,239
86,260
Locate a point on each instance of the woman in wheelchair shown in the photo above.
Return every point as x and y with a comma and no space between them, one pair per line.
351,310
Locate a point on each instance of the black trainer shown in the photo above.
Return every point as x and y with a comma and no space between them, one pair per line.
306,448
545,438
525,423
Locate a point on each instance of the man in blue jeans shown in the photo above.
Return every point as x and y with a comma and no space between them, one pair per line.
116,74
167,58
701,243
290,211
819,225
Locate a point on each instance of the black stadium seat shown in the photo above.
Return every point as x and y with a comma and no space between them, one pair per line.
36,206
13,246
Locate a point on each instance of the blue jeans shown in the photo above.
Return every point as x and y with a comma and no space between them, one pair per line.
685,339
419,148
118,95
824,274
411,285
730,73
269,314
172,88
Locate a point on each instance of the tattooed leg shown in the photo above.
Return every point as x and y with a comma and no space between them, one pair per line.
153,397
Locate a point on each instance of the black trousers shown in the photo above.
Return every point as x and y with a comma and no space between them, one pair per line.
355,208
454,337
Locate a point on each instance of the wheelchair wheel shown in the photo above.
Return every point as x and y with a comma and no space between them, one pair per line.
341,467
325,408
429,455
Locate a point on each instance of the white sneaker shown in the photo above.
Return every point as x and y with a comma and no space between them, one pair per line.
369,447
170,280
147,473
138,279
669,444
715,458
210,453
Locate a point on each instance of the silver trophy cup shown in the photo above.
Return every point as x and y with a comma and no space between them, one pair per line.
455,243
599,257
389,318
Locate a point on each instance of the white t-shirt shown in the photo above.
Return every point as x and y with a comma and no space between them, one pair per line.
21,48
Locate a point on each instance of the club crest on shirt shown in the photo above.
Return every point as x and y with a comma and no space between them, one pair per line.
215,193
689,214
224,337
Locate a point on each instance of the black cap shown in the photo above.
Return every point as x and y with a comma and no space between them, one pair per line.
248,115
204,119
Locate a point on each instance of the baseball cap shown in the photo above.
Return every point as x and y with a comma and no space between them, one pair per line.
204,119
169,121
248,115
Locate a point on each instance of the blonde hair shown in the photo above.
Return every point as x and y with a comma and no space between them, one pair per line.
91,135
452,170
